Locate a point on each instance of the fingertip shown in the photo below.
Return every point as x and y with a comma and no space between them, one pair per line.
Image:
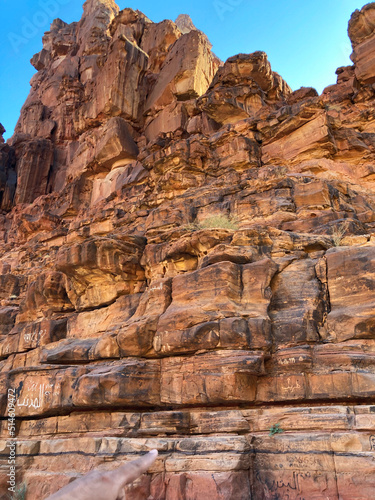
132,470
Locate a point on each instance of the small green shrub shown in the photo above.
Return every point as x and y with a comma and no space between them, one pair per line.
276,429
333,107
215,222
20,493
338,233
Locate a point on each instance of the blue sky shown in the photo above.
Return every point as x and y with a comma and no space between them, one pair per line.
305,40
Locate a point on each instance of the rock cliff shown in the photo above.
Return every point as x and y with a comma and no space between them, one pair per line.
188,263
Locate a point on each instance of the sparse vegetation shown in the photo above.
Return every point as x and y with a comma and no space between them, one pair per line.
332,107
338,233
276,429
20,493
215,222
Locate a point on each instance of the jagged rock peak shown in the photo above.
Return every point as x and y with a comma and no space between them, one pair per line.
127,18
361,31
58,24
91,6
362,24
185,24
2,131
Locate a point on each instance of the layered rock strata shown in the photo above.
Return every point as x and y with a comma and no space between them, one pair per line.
188,264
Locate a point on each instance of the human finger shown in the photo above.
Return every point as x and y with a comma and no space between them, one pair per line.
131,471
121,495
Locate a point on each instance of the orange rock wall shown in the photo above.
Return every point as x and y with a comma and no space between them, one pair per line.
187,263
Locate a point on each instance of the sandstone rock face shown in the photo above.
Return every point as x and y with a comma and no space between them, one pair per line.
241,87
188,263
8,176
36,158
361,33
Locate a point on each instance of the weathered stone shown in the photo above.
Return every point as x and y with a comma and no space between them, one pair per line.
312,140
362,34
187,265
114,263
170,119
117,84
8,176
296,310
157,40
119,385
24,337
34,161
350,284
211,378
92,324
116,146
241,87
45,295
301,94
186,72
7,319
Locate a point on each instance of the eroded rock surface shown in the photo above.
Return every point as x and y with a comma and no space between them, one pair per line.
188,263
